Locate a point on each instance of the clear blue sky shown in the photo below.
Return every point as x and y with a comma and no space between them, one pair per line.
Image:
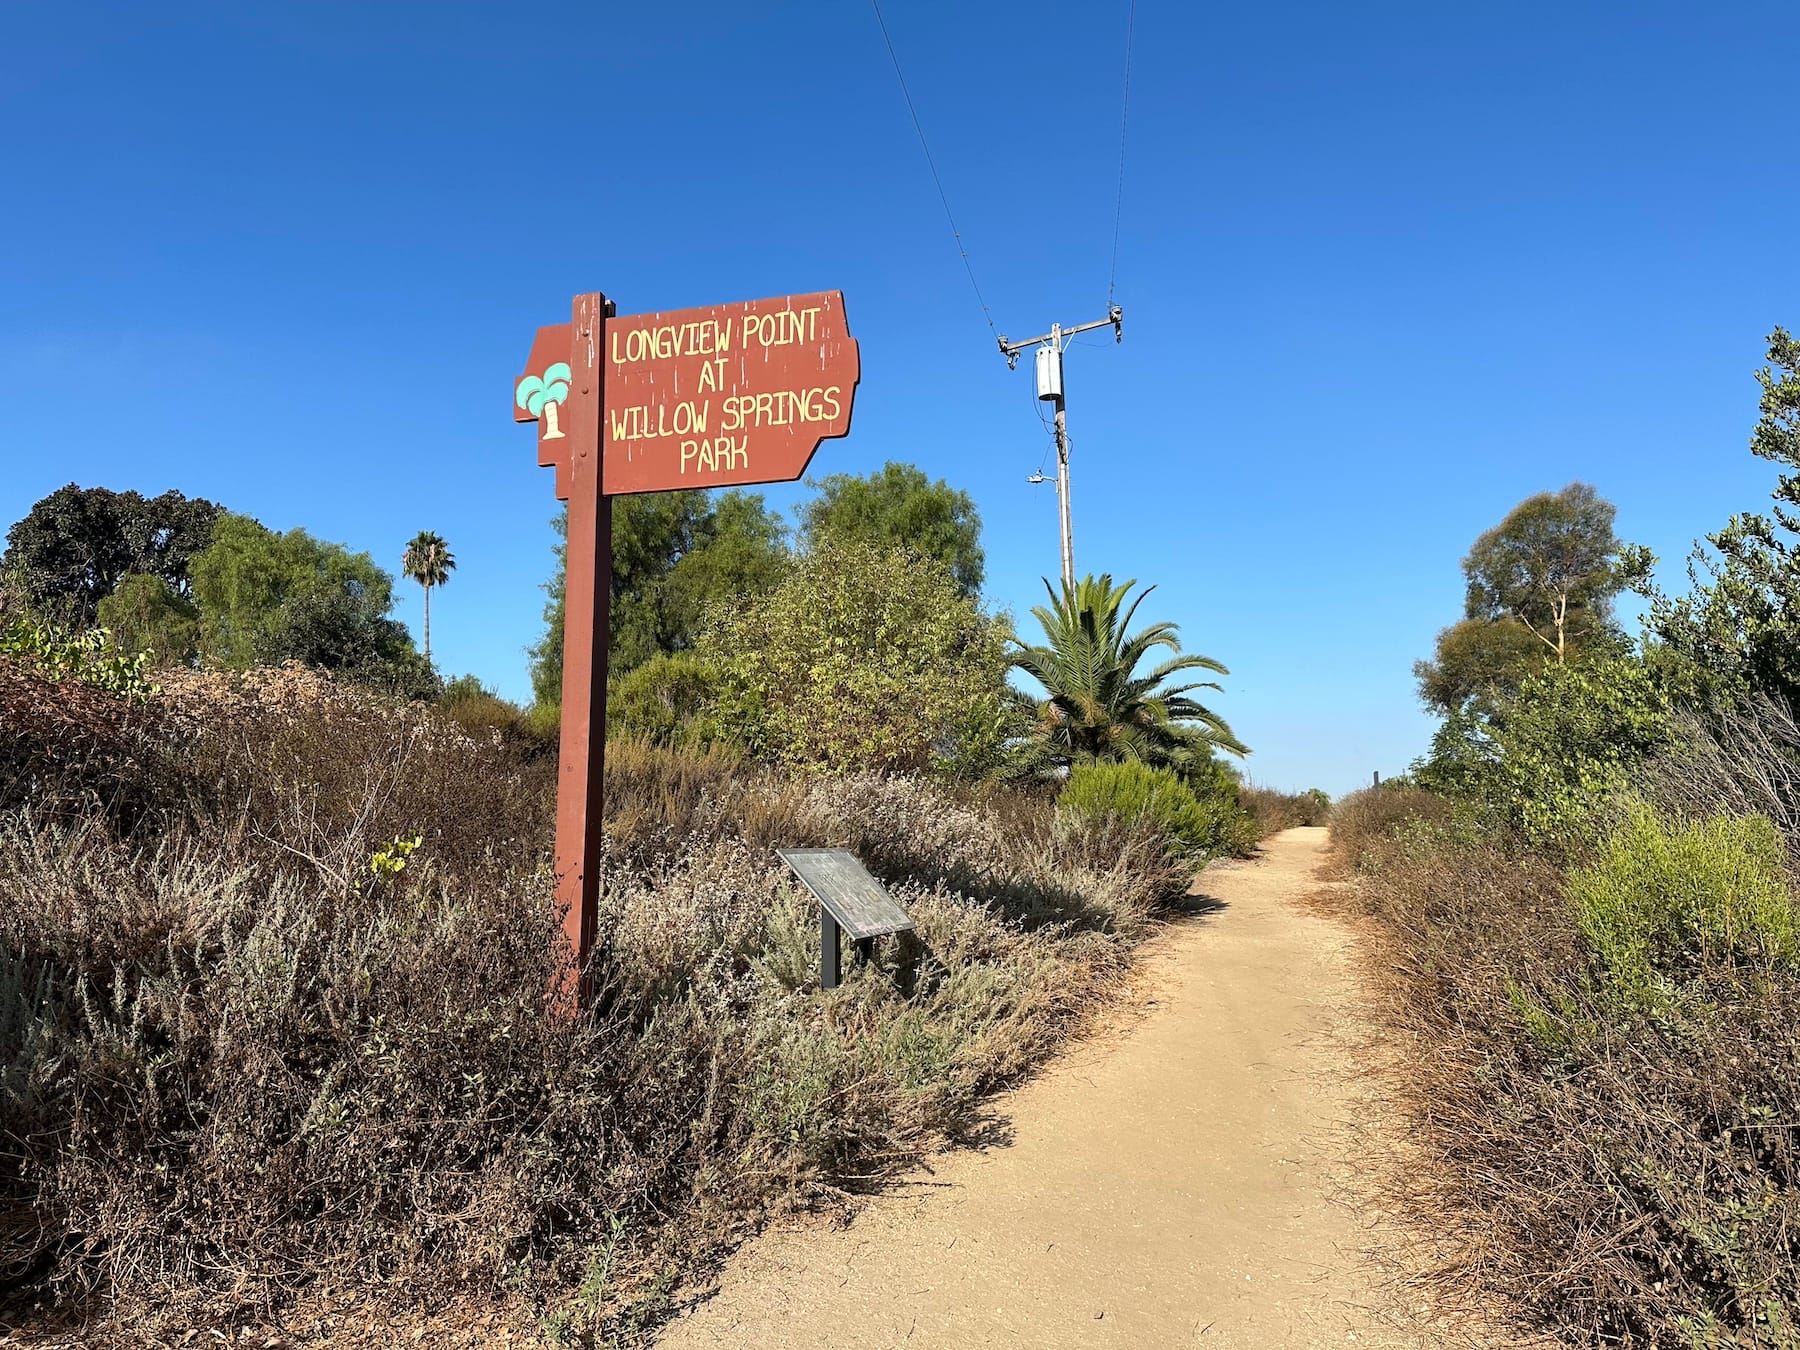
1386,269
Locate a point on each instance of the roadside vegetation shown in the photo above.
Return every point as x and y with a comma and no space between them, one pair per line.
1585,915
275,923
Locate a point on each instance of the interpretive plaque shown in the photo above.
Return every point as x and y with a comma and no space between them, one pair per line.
850,901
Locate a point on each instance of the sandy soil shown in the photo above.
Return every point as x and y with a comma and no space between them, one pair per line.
1190,1179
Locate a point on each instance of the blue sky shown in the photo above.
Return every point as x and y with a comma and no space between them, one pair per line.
1386,269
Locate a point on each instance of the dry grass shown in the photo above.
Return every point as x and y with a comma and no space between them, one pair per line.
1618,1171
240,1067
1273,811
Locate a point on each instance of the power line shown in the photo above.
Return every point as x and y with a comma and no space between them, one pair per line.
1124,118
930,163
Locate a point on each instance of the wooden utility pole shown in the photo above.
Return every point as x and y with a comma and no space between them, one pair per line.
1050,348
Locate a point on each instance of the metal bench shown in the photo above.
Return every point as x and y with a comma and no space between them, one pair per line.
851,903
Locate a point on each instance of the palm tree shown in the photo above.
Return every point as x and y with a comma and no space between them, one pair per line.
1098,706
429,562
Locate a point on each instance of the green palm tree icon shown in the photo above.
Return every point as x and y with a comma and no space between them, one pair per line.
539,395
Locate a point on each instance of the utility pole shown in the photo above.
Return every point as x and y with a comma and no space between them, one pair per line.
1050,389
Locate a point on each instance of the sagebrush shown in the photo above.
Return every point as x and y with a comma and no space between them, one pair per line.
244,1059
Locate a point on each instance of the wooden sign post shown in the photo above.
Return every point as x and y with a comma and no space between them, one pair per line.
694,398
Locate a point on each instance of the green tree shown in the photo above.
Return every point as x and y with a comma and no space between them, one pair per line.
1479,663
1540,589
675,554
1737,631
144,615
266,598
75,546
898,504
1553,565
865,658
1568,741
1097,704
427,560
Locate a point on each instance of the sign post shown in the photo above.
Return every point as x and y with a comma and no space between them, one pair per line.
720,396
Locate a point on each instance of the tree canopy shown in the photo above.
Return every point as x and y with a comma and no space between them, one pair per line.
1552,565
1737,632
865,658
427,559
1540,589
144,615
675,554
899,505
75,546
266,598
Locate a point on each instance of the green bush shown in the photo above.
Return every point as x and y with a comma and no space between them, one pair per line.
89,658
145,615
1131,793
666,701
1663,900
866,658
1552,761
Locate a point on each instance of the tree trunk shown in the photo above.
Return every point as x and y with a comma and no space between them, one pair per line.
428,625
551,431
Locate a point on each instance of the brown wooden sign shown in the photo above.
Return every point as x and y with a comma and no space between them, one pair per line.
726,395
692,398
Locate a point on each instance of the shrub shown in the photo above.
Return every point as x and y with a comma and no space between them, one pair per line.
668,700
1551,761
1620,1169
863,658
1131,793
483,714
1273,811
1365,819
1661,901
88,657
285,1030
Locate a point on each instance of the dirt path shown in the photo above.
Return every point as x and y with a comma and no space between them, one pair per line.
1187,1181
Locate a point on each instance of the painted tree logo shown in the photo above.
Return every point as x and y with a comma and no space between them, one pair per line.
539,395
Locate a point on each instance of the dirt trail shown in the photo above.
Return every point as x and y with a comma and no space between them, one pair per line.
1185,1181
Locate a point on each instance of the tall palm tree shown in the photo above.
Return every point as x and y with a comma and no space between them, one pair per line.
429,562
1097,705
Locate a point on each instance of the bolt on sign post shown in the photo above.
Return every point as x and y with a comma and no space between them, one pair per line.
694,398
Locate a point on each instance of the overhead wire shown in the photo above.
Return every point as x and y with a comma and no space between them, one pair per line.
1124,122
944,197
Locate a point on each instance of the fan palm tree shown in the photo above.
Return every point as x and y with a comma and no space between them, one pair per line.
1097,704
428,561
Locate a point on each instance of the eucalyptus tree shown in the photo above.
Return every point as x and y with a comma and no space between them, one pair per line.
1097,702
428,561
